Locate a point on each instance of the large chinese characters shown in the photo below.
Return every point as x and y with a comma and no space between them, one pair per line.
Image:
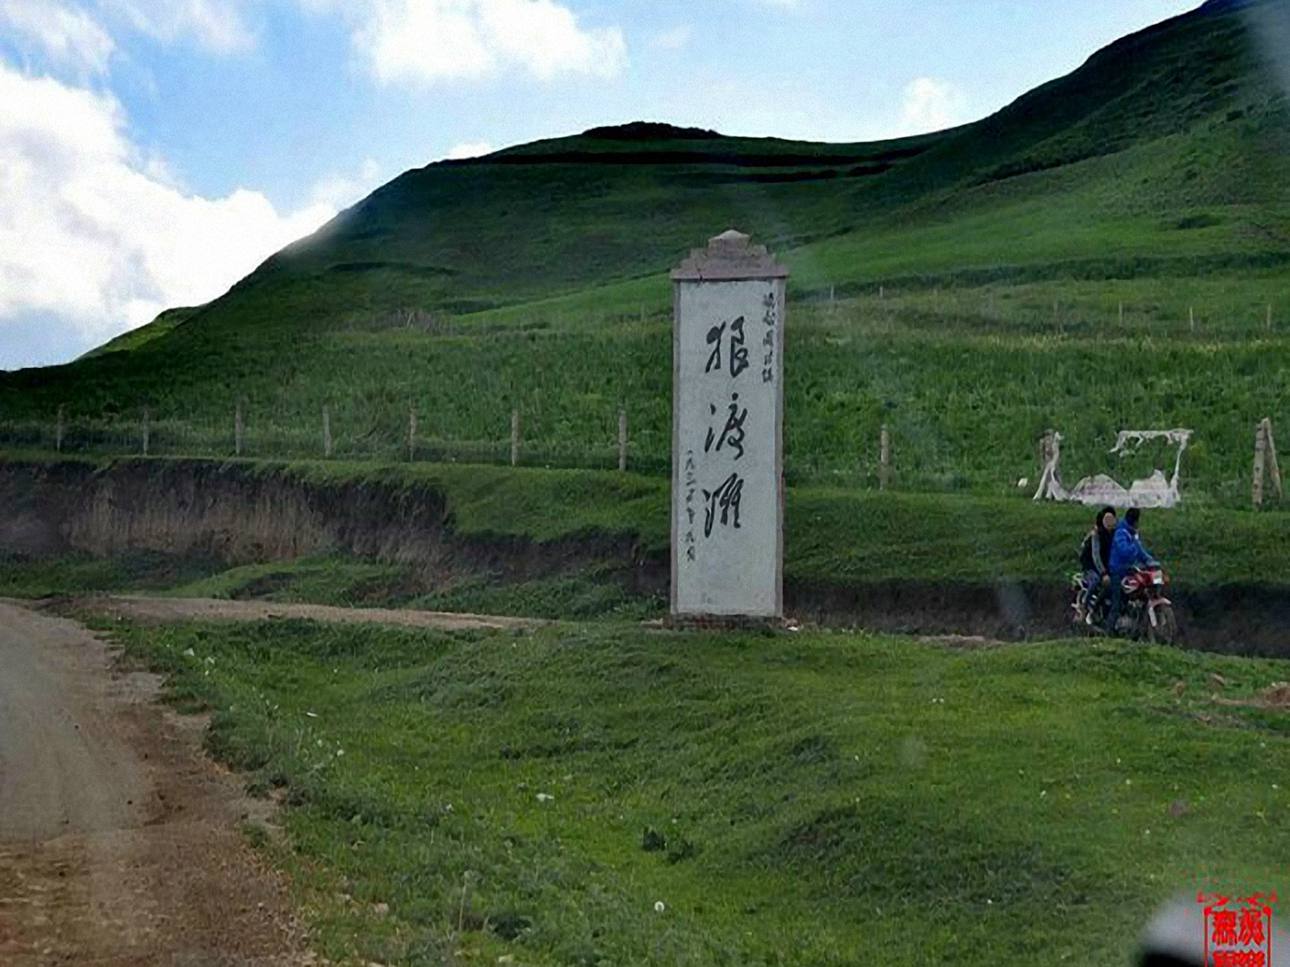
727,420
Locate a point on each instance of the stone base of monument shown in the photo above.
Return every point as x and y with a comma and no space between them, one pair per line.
727,622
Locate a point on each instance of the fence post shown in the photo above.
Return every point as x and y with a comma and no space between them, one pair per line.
239,429
1191,317
1260,458
884,459
1271,447
147,430
622,440
58,430
412,434
1269,317
882,292
1121,313
515,437
326,415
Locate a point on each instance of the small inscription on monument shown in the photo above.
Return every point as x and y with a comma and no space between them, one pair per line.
727,431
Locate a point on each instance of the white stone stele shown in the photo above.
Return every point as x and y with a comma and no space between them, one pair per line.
728,506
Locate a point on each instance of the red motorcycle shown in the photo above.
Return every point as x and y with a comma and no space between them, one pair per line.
1147,615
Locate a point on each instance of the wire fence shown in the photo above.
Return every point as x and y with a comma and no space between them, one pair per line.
145,436
243,438
893,463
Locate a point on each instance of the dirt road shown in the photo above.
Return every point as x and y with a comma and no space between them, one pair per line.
119,839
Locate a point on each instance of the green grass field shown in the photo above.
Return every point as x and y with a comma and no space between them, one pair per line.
810,799
965,402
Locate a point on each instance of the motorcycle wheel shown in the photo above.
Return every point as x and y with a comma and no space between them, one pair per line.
1141,630
1077,625
1166,630
1075,614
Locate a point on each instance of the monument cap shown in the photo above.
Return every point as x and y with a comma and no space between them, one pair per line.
729,257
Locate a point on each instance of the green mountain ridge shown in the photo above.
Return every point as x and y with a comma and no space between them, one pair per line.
1178,74
1150,87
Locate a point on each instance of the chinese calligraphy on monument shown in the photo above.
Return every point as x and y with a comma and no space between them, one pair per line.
728,432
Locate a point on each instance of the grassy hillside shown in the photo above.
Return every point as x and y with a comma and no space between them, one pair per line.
965,404
979,274
608,795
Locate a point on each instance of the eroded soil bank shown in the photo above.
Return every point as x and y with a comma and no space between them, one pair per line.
242,513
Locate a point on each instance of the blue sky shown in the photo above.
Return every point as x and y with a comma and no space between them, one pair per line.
154,151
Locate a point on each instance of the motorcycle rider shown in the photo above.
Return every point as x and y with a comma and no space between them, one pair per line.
1127,553
1095,559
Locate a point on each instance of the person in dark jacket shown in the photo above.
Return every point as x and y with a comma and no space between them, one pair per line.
1095,559
1127,552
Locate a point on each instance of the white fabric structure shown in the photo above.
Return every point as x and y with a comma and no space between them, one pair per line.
1156,491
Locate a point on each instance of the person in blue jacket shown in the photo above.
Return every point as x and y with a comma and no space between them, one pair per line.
1127,553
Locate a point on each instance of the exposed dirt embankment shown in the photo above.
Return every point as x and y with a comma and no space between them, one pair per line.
240,513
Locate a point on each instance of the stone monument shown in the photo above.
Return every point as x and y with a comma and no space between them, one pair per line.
728,432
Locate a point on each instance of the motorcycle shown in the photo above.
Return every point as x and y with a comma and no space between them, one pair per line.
1147,614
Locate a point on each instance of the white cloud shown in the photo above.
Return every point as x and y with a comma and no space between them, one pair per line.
471,149
216,25
423,40
73,36
69,37
89,234
674,39
932,105
428,41
337,192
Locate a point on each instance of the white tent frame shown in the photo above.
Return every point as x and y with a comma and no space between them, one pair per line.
1126,442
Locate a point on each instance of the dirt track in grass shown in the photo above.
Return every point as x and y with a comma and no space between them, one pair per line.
119,839
141,608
